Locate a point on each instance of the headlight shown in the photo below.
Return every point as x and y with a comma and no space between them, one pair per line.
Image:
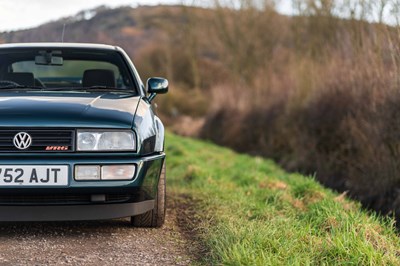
106,141
118,172
86,141
87,172
105,172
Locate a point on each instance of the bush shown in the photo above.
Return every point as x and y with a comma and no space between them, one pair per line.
347,136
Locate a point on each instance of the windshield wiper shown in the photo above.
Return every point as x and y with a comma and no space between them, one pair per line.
105,88
20,87
78,89
92,88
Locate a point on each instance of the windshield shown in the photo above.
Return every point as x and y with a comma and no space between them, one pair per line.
65,70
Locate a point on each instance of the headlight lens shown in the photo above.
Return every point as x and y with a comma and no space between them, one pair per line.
106,141
105,172
118,172
87,172
86,141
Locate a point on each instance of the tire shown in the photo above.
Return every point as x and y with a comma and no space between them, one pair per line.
156,217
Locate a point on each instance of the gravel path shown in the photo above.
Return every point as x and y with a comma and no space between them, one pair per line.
111,242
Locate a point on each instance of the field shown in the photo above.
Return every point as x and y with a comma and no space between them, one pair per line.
248,211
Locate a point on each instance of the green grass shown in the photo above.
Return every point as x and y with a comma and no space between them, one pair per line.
254,213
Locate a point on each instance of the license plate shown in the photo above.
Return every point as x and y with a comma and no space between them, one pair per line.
33,175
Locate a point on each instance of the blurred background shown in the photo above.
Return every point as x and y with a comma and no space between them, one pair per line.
312,84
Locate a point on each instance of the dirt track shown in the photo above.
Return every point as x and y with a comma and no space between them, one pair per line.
97,243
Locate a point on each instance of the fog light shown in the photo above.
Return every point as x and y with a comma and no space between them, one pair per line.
87,172
118,172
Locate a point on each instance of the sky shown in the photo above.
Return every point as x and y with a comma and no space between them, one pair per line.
23,14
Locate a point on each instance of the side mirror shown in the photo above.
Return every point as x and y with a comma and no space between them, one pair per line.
156,86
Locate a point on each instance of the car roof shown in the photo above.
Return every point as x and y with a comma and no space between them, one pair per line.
58,45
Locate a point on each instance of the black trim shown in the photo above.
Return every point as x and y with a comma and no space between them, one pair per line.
148,145
63,199
73,213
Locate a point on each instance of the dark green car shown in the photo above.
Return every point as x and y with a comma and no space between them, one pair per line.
79,139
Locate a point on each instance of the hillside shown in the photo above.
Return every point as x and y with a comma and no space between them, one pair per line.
125,26
248,211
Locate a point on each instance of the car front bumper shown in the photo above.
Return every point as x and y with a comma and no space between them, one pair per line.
74,212
82,200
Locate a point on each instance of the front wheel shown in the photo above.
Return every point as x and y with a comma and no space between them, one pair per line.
155,217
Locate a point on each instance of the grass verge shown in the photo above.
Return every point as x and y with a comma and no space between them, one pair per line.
251,212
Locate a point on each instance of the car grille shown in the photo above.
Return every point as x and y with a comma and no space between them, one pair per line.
60,199
42,140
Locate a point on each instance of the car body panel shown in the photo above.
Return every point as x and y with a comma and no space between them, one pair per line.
143,164
83,110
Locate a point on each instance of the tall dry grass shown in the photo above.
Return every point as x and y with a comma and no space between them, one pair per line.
346,132
318,92
322,97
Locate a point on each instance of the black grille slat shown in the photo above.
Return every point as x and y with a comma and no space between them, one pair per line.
41,139
41,143
49,138
45,134
59,199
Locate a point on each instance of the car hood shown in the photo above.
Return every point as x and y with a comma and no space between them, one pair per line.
83,110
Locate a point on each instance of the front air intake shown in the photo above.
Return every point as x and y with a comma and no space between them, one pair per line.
42,140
